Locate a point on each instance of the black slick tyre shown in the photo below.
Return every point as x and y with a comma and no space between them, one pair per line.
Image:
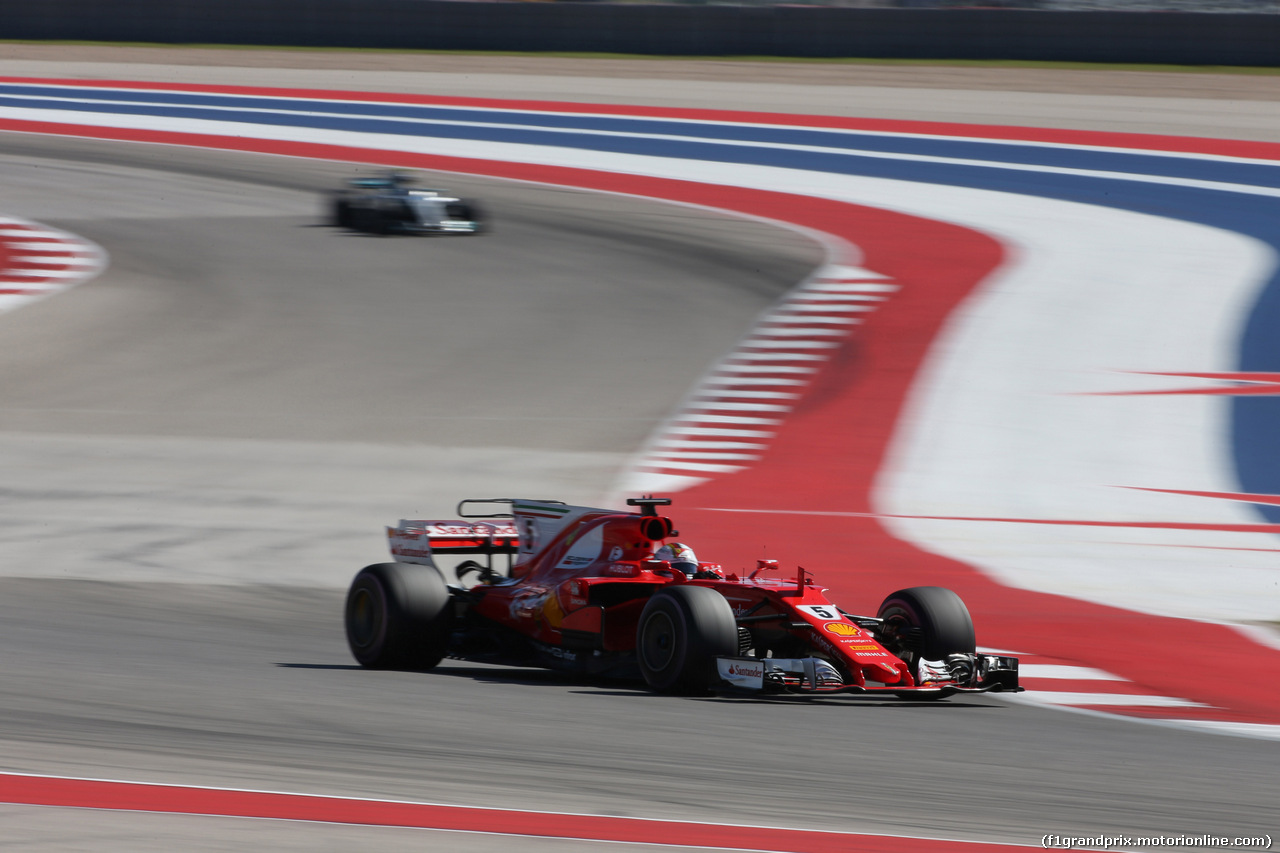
340,213
682,630
928,622
398,616
470,211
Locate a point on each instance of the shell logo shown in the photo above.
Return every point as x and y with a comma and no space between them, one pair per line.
842,629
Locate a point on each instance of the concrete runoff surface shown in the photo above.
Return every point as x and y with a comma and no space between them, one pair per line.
174,421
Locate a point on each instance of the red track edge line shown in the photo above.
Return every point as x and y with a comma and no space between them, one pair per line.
71,792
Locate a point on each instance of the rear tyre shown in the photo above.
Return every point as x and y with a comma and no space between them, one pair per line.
398,616
682,630
928,622
340,213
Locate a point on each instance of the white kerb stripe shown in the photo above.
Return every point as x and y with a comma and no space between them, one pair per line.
730,394
849,288
726,419
801,318
738,407
693,466
691,443
727,433
839,271
794,332
752,380
795,307
764,368
45,273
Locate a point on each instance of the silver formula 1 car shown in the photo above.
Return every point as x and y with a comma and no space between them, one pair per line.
391,204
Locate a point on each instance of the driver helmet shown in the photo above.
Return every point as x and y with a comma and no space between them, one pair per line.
679,555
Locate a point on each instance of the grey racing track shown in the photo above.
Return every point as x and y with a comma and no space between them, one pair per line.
200,448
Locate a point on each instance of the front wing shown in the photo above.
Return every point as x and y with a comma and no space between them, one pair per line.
988,673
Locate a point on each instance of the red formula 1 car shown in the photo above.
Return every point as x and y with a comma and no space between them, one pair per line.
584,591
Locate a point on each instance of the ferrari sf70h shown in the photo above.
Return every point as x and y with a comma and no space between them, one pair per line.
606,593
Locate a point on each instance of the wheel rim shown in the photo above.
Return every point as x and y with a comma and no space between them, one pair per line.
364,618
898,624
658,642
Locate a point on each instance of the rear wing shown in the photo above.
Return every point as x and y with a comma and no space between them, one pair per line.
416,540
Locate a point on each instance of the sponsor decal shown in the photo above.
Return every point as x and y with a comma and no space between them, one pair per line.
529,537
750,670
411,552
478,529
842,629
623,570
741,673
826,646
864,648
575,593
552,613
820,611
453,529
584,549
527,604
615,553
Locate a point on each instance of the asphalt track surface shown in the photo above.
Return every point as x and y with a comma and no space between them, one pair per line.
238,365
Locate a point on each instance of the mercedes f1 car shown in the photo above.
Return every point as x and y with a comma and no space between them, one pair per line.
595,592
392,205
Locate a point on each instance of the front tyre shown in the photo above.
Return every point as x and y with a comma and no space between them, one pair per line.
925,622
682,630
398,616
